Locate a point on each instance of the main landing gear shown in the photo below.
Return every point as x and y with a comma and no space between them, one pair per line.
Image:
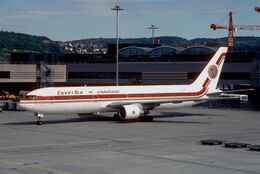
38,117
145,117
117,117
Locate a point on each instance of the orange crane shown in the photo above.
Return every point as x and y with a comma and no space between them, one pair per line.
232,28
257,9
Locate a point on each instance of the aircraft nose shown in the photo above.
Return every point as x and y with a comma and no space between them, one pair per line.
22,105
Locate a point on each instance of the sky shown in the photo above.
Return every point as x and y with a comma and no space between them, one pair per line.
66,20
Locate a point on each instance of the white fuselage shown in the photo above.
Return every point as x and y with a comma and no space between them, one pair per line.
66,100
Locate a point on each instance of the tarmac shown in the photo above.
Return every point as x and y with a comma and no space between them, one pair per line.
99,145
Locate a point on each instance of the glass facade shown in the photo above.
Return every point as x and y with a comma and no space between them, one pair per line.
164,53
132,52
198,50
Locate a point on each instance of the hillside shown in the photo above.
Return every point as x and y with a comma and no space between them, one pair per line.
10,41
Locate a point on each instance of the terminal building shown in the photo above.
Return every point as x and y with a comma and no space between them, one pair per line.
142,65
139,65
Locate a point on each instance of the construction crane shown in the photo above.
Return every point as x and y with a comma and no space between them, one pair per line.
257,9
232,28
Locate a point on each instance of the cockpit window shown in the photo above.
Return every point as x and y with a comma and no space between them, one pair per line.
31,96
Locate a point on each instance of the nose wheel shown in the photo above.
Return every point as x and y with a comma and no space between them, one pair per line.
39,122
39,117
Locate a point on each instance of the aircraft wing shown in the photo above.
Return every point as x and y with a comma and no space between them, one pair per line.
227,95
152,103
217,95
228,92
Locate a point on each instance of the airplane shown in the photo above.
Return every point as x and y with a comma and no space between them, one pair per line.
129,102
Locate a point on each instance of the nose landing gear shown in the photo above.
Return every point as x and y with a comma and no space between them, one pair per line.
38,117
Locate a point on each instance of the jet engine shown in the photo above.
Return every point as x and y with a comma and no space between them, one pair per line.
131,112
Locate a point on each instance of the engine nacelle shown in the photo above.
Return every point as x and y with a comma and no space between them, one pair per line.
131,112
244,98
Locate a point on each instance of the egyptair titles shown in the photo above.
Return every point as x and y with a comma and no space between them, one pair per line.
71,92
80,92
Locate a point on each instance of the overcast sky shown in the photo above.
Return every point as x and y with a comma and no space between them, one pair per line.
66,20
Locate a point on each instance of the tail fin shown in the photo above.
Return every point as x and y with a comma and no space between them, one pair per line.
211,73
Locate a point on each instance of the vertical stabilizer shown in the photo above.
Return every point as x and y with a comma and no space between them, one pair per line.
211,72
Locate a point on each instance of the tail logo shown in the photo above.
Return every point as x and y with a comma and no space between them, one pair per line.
213,71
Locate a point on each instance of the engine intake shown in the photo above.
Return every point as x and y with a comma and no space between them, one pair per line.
131,112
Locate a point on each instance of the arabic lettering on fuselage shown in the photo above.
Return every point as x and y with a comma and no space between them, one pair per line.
109,91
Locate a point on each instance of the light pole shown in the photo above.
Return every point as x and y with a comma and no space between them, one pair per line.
117,8
152,27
